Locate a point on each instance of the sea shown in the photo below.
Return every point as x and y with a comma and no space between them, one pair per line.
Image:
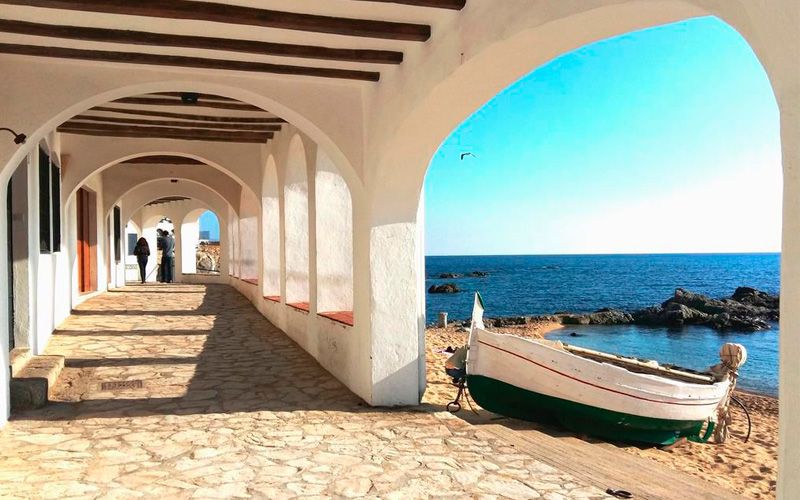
545,284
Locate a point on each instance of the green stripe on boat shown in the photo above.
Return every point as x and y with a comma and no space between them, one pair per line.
509,400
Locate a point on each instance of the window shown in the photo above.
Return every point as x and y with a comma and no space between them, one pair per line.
55,178
45,212
132,239
49,204
117,235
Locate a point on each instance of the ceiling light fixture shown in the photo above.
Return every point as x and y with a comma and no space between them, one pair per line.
189,97
18,138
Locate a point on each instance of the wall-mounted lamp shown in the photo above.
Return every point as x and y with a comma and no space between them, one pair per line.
18,138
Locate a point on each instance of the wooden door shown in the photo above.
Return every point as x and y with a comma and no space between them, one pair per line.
87,241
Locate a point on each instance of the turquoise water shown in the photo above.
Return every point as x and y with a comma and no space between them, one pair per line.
544,284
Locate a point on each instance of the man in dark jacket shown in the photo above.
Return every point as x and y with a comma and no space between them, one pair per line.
168,257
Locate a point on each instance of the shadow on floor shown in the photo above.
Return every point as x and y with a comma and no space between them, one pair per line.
225,357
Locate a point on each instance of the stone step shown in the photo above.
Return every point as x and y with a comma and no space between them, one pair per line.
31,386
18,358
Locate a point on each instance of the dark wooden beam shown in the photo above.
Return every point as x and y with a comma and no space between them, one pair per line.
185,62
164,160
162,101
175,124
200,42
236,14
438,4
167,199
166,133
205,97
185,116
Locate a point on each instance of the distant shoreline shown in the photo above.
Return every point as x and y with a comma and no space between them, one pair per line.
600,254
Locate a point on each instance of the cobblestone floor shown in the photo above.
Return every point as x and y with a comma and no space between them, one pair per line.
230,407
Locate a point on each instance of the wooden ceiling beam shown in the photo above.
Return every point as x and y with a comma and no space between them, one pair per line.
163,160
185,61
165,133
167,199
200,42
437,4
161,101
186,116
176,124
237,14
205,97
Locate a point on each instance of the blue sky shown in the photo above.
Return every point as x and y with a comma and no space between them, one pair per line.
662,140
209,222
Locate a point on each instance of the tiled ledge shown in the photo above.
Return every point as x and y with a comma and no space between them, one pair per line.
273,298
343,317
300,306
252,281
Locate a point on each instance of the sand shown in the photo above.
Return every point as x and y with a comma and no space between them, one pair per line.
748,468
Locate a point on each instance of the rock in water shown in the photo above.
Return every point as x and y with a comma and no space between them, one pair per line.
753,297
444,288
610,317
449,276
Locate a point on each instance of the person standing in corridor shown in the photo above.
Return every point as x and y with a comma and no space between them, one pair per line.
142,252
168,257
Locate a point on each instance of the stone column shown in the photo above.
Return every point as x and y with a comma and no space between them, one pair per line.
789,389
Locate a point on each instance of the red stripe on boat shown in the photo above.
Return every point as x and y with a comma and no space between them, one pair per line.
594,385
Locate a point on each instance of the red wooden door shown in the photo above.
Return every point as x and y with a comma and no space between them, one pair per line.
87,241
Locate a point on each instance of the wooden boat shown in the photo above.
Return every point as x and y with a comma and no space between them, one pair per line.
595,393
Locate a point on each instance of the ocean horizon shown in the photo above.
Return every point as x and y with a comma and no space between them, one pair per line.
517,285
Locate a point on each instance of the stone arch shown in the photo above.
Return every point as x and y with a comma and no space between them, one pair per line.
136,193
190,238
249,217
457,82
293,106
271,230
120,179
111,158
403,149
296,222
334,239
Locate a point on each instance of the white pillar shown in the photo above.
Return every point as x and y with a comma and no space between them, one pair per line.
190,237
395,315
789,388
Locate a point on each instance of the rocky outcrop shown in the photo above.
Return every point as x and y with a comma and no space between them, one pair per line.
444,288
604,316
452,276
746,309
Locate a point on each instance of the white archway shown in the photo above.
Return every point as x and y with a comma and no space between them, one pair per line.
334,226
271,246
296,223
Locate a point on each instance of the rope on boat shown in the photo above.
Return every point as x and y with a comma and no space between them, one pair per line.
732,357
747,414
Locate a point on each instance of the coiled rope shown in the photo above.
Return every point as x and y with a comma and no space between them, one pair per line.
732,356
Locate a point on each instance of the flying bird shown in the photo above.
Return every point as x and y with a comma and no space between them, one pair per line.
467,154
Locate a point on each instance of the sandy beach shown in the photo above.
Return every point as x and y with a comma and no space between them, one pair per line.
748,468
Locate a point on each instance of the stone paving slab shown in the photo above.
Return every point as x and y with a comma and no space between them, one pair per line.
229,407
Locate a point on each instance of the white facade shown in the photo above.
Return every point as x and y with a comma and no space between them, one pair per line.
329,211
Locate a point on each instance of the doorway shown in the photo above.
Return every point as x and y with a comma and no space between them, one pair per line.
87,240
18,265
